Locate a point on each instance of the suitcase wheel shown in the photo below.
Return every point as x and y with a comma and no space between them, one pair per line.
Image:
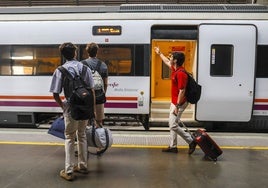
210,158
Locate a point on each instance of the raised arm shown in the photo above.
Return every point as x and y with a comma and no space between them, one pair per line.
164,58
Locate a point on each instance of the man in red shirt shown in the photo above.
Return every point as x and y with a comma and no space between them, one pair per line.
179,102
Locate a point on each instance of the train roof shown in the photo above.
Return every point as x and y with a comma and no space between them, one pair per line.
226,8
137,11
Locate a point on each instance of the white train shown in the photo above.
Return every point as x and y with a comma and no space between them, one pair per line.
226,48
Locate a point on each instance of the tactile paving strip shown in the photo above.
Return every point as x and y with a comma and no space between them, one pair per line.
144,140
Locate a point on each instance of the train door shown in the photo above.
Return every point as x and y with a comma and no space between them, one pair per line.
160,75
226,71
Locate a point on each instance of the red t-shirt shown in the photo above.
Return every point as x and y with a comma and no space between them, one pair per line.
179,81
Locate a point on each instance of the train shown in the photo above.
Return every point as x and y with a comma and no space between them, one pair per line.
226,49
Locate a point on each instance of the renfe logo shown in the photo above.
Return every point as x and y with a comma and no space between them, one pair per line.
113,85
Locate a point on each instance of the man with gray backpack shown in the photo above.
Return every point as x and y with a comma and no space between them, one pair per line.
100,75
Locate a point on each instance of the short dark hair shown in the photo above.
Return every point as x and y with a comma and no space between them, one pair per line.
180,57
68,50
92,49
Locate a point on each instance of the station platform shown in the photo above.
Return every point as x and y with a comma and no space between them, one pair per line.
32,158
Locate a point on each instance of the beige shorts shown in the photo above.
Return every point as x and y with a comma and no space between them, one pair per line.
99,112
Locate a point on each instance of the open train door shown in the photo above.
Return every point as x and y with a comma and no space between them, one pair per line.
226,72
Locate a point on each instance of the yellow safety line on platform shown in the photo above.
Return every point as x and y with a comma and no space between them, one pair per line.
130,146
34,143
186,147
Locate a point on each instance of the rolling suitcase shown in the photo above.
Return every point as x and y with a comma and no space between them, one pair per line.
206,143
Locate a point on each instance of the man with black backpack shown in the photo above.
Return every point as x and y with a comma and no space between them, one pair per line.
100,75
179,79
79,106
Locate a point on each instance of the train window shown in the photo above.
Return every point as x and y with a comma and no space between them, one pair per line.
262,61
5,60
122,60
221,60
141,60
174,32
117,59
29,60
166,72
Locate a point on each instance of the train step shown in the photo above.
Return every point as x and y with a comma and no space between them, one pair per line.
191,129
164,114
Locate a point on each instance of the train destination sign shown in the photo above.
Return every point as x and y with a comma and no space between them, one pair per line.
107,30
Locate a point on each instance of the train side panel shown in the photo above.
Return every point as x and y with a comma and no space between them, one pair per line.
27,94
128,95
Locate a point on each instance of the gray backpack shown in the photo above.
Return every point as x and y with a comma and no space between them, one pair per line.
98,82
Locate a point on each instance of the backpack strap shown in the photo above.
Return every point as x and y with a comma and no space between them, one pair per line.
181,70
98,66
66,85
84,70
91,67
65,72
84,62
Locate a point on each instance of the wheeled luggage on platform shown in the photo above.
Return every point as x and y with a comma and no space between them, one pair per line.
206,143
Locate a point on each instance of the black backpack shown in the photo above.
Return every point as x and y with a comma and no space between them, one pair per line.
79,95
193,89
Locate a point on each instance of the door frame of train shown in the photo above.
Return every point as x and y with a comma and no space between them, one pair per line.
227,97
160,86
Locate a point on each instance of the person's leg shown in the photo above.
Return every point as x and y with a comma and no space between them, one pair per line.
176,128
173,135
82,144
172,123
99,114
70,133
185,135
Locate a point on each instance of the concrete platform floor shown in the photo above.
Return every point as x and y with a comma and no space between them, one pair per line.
38,166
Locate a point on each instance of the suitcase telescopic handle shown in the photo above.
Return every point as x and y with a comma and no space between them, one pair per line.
186,128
